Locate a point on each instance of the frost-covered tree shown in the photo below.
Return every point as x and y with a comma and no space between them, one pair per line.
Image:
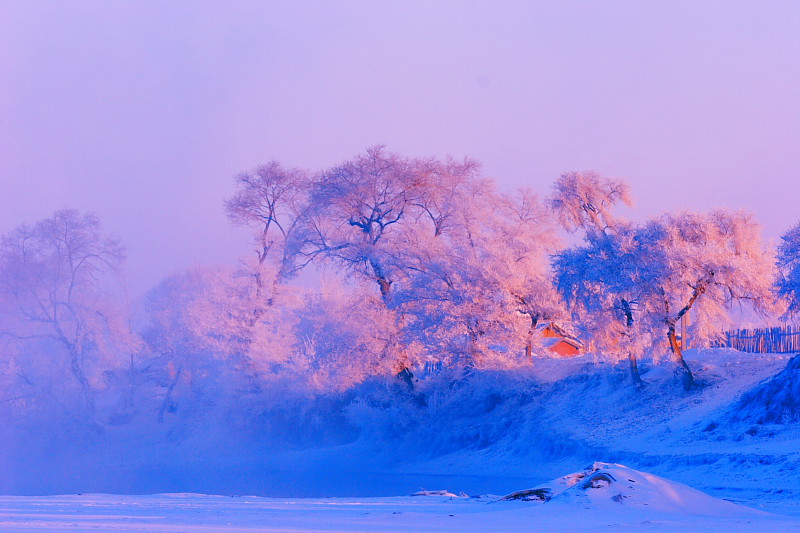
602,279
608,280
477,287
272,199
585,200
787,282
56,281
460,266
204,344
356,210
346,334
445,188
647,277
203,335
526,239
708,262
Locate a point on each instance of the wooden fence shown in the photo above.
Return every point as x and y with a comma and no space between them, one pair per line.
784,339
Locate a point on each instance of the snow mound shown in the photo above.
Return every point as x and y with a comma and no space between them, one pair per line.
607,484
775,402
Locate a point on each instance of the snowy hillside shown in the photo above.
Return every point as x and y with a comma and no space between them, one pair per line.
712,438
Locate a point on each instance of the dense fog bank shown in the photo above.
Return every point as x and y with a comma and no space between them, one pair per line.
480,432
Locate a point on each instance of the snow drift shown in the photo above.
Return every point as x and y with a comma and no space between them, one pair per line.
607,484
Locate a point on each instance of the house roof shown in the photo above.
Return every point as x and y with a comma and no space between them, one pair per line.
541,326
549,342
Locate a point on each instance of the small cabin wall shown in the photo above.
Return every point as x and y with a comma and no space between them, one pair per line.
565,349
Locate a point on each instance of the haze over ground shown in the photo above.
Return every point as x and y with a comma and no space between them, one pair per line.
143,111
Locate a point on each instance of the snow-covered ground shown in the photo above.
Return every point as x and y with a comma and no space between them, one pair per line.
603,497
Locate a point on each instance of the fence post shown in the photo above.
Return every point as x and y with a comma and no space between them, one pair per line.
776,339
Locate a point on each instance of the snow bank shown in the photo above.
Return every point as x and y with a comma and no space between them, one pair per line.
775,402
606,484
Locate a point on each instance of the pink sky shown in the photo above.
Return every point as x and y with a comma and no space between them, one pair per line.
142,111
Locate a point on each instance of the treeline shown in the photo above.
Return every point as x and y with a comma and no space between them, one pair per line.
424,262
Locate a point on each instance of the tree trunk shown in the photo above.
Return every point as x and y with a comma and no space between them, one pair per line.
83,381
130,399
635,376
634,364
683,371
383,283
168,396
531,332
472,349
